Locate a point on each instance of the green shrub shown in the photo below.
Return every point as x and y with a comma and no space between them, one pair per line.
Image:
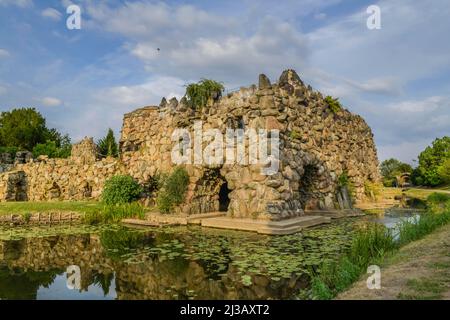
334,104
438,202
11,150
51,149
344,181
121,189
372,190
173,190
198,94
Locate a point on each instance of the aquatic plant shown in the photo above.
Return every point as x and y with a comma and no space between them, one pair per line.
115,213
414,229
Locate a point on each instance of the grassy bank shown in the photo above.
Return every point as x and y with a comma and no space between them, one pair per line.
93,211
371,245
419,270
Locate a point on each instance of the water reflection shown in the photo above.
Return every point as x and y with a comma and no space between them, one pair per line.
173,263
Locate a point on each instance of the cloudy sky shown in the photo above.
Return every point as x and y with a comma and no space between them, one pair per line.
83,81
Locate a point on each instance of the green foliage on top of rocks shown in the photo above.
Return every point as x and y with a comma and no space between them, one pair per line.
334,104
198,94
120,190
173,190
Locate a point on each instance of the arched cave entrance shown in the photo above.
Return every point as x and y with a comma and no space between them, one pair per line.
224,197
307,188
212,193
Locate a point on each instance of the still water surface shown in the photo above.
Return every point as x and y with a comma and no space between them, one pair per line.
116,262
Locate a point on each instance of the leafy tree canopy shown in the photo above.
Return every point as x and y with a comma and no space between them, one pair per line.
432,162
25,128
392,168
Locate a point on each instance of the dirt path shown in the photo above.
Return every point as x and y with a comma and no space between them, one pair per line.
420,270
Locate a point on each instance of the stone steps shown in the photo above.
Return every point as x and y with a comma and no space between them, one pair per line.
288,226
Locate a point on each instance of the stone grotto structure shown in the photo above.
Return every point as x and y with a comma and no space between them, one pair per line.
317,147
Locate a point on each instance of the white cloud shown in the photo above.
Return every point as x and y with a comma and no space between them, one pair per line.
404,151
52,14
427,105
4,53
148,93
194,43
19,3
51,102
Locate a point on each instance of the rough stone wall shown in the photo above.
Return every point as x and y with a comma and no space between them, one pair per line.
317,147
79,177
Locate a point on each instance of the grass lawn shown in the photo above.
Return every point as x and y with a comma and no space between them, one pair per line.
422,193
30,207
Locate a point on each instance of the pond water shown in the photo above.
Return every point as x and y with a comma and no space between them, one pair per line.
115,262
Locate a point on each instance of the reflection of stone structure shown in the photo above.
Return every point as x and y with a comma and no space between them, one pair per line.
151,279
316,147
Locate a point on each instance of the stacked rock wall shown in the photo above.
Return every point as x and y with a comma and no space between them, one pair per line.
317,147
79,177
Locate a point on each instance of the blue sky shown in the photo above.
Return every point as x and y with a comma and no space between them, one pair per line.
83,81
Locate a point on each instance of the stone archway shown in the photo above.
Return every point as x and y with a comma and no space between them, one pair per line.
308,189
212,193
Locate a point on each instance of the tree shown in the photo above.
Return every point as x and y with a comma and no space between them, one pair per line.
25,128
444,171
391,169
22,128
52,150
108,145
430,160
